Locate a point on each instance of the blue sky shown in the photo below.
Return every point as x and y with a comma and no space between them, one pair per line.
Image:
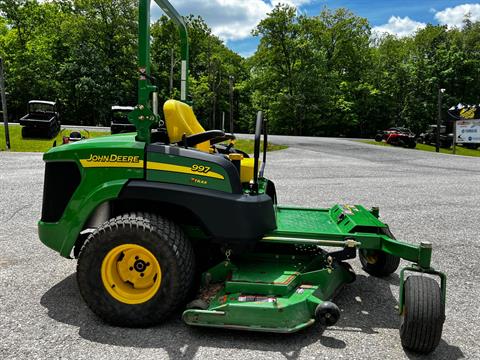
233,20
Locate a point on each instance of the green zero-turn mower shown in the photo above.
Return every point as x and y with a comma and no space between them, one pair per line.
174,218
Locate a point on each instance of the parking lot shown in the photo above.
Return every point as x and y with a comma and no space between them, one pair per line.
422,196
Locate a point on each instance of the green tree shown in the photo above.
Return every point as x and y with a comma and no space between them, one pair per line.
211,65
100,70
310,72
312,75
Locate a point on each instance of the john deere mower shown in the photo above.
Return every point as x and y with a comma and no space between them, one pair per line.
166,219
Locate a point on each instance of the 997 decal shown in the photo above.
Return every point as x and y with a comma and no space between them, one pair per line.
200,168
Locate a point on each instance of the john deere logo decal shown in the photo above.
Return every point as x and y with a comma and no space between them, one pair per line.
112,160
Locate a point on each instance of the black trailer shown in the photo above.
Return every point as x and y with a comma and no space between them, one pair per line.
42,120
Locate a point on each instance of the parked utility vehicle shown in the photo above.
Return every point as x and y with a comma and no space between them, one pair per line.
119,122
430,136
160,218
41,121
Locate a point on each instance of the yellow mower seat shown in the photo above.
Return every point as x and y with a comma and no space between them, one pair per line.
180,120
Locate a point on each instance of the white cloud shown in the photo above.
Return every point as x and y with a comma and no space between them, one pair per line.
398,26
290,2
229,19
453,17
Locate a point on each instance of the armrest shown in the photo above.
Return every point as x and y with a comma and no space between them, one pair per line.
223,138
196,139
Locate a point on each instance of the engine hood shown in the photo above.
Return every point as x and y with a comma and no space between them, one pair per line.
104,145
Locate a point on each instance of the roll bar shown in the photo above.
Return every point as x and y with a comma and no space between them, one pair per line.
146,112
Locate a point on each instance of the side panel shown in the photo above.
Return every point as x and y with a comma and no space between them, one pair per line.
105,165
61,236
176,165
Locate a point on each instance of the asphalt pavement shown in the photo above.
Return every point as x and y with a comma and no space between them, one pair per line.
422,196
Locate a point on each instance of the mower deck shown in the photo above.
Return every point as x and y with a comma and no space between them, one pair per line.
268,292
287,284
275,292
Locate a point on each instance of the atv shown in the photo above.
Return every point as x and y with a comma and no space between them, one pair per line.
167,219
397,136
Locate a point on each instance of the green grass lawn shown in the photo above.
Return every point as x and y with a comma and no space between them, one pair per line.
247,146
41,145
423,147
17,143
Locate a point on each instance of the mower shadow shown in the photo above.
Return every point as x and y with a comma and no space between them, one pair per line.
366,304
64,304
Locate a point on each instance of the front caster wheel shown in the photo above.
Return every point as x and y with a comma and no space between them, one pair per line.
423,315
379,263
327,313
135,270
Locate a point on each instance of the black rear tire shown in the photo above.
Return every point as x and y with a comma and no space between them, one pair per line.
165,241
423,315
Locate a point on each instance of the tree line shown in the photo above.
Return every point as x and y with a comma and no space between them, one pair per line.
324,75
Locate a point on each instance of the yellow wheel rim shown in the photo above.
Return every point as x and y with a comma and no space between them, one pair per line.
131,274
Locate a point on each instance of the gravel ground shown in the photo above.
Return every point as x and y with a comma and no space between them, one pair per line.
423,196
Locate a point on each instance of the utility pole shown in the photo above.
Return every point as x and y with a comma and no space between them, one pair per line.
231,103
439,120
172,65
454,136
214,112
4,104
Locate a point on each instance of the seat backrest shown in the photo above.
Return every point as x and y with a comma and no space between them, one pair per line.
180,120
